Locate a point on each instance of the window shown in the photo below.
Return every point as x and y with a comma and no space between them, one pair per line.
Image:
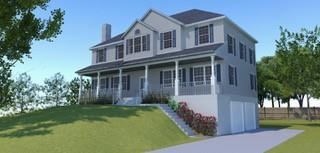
125,82
202,75
253,82
137,32
251,56
119,52
101,55
168,39
129,46
168,77
137,44
254,57
146,42
241,46
94,83
103,83
233,75
204,34
231,45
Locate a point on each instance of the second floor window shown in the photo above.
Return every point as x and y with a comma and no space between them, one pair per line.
231,45
101,56
253,82
233,80
204,34
168,39
146,43
119,52
129,46
251,56
137,44
243,50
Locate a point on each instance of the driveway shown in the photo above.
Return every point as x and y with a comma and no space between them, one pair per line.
257,141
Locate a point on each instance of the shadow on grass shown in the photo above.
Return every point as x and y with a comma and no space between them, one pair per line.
41,122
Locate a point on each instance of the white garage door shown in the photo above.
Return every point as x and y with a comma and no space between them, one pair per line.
237,117
242,116
250,117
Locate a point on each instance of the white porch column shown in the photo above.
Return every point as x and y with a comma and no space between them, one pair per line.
80,89
146,79
176,80
120,83
98,84
213,78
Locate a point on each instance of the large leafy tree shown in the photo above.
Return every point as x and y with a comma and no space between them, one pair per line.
56,89
298,53
74,85
19,28
25,92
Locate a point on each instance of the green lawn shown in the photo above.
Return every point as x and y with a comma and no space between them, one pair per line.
89,129
307,142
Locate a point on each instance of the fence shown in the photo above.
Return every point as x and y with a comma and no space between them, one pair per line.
291,113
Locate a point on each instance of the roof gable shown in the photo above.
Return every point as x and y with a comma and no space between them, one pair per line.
161,14
135,23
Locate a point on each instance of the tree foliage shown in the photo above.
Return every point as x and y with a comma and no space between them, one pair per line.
74,86
56,89
19,28
25,92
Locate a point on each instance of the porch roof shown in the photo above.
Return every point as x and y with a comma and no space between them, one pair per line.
161,57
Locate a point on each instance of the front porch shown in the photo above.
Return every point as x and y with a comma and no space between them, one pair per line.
181,77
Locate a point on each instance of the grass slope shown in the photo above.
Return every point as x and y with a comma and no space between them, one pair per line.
307,142
89,129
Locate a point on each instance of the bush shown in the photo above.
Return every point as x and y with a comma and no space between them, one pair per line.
155,98
205,125
173,105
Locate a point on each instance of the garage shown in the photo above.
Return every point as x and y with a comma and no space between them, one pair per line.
242,116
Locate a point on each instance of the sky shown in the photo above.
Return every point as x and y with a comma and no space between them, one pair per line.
83,20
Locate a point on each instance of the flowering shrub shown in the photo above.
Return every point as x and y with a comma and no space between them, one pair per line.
173,105
205,125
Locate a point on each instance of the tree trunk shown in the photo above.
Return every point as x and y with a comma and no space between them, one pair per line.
261,103
279,103
308,107
272,101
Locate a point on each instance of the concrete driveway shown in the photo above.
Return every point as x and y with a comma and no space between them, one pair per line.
257,141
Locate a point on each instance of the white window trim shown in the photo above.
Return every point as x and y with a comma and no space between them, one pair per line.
234,76
208,34
169,30
173,78
204,74
141,44
114,76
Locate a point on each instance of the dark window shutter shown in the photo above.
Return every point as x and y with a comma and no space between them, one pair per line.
211,33
107,83
111,83
191,76
245,53
196,33
234,47
184,78
161,79
218,69
235,76
128,82
174,38
161,41
148,42
127,46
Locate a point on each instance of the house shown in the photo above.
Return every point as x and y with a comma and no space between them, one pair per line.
200,57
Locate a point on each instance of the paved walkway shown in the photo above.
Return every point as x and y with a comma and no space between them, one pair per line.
257,141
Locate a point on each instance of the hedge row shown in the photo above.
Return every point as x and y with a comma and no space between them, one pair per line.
205,125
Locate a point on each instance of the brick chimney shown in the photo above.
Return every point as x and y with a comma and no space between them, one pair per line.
106,32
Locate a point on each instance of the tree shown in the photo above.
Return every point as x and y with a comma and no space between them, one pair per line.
298,54
19,28
74,85
56,89
25,92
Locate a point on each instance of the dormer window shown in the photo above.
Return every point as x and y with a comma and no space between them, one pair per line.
168,39
119,52
138,44
101,55
204,34
137,32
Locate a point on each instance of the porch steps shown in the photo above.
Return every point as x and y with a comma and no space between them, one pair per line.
130,101
177,120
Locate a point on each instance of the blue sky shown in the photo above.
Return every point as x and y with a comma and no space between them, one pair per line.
82,29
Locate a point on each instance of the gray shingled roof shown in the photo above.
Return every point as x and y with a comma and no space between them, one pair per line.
194,15
186,17
184,53
109,41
